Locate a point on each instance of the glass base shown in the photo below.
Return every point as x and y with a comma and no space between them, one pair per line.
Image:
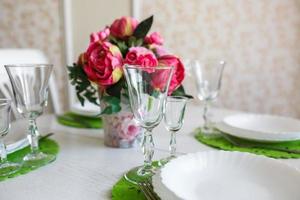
210,132
8,168
139,174
33,160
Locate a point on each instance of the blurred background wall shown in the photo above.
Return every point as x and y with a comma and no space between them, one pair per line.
260,40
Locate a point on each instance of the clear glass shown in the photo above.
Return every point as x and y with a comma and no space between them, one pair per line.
6,167
148,88
208,80
30,89
173,117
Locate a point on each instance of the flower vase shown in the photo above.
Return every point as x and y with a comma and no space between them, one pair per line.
120,129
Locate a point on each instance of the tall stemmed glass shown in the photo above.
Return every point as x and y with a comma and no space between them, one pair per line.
6,167
30,89
148,88
173,117
208,80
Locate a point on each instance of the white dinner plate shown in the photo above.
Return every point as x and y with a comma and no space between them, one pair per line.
89,109
214,175
261,127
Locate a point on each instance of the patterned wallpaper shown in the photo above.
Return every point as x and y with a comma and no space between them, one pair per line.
260,40
35,24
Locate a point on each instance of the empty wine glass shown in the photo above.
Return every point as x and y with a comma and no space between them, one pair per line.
173,117
208,80
148,88
30,89
6,167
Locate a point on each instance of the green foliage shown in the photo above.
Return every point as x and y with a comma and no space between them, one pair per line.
181,92
84,88
112,104
143,28
115,90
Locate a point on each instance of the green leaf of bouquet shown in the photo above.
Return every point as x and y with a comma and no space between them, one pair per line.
143,28
84,88
181,92
112,105
115,90
123,47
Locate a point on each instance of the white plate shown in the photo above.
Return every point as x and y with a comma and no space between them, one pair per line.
214,175
261,127
89,109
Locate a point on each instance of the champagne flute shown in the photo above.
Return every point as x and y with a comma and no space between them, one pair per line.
148,88
208,80
6,167
30,89
173,117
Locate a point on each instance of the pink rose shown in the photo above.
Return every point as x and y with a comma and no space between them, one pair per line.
129,129
101,35
141,56
103,63
123,27
154,38
178,74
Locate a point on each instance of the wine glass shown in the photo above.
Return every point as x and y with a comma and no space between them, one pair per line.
148,88
208,81
30,89
6,167
173,117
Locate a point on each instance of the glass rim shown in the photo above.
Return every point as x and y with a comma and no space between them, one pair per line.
30,65
145,67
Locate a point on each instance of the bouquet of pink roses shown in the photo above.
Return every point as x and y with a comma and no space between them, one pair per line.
125,41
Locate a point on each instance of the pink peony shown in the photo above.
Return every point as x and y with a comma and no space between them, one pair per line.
103,63
141,56
101,35
178,74
129,129
123,27
154,38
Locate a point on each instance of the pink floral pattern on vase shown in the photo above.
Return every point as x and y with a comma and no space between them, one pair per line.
120,129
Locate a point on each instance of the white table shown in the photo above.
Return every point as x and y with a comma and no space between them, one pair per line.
86,169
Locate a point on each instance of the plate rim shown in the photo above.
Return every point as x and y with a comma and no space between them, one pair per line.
257,135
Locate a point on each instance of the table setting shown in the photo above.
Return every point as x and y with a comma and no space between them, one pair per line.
149,139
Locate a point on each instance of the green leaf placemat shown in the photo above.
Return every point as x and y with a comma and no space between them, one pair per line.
48,146
79,121
222,143
124,190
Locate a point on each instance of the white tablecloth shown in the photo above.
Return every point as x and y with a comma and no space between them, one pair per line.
86,169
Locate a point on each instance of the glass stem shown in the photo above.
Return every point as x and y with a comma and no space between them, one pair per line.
172,146
205,116
3,151
33,136
148,149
